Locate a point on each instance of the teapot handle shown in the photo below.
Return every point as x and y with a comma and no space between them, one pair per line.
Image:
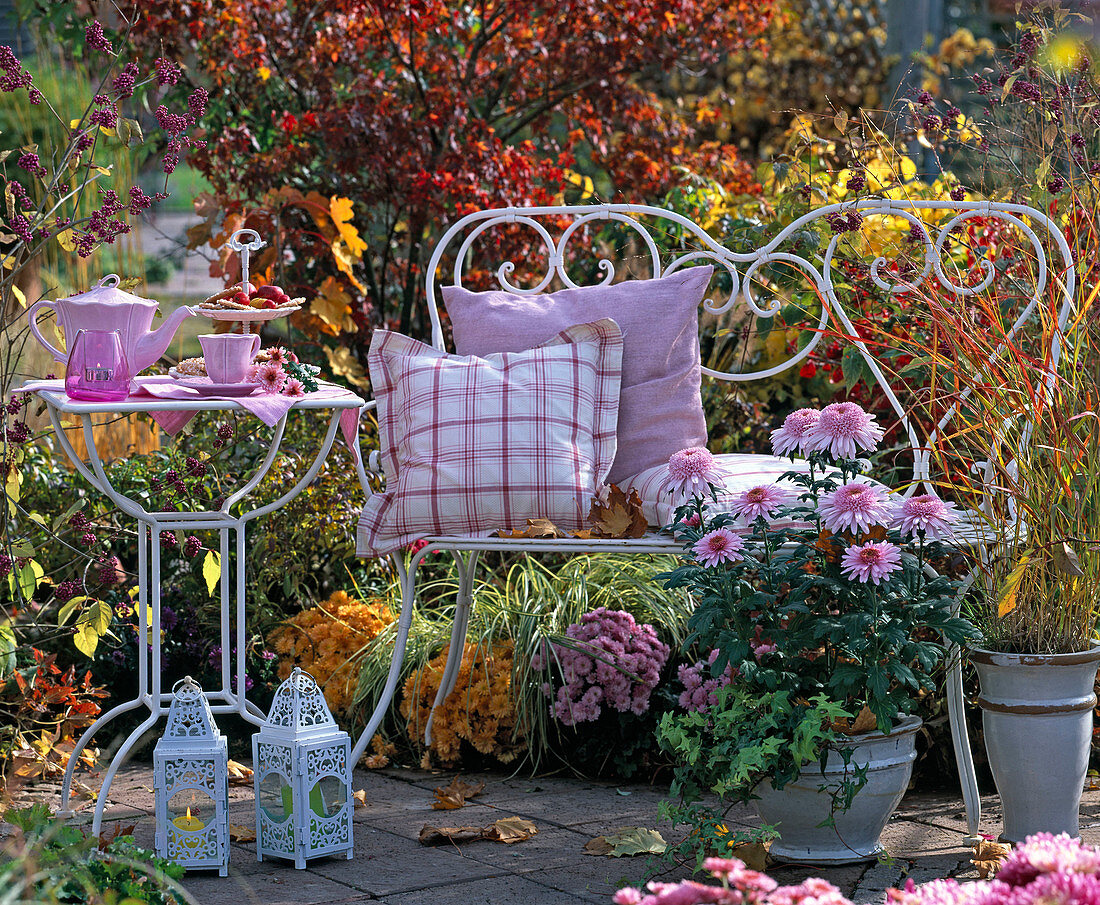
45,303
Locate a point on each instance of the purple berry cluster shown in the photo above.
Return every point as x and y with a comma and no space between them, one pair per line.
612,661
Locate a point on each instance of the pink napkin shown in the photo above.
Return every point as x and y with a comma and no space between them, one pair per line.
268,407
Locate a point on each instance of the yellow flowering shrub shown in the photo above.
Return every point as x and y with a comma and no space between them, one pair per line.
324,641
480,710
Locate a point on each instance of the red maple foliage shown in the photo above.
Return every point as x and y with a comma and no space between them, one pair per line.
422,110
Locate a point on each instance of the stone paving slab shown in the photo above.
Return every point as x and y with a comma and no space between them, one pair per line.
925,840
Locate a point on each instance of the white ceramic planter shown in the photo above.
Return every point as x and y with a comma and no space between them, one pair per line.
1037,721
800,806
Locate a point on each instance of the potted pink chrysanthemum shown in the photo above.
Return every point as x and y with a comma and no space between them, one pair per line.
816,593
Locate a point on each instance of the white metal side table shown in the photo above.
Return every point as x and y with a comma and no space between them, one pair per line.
230,698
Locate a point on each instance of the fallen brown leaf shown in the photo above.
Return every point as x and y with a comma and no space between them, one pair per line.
239,774
240,833
536,527
360,798
754,854
619,516
437,835
988,856
598,846
508,830
456,794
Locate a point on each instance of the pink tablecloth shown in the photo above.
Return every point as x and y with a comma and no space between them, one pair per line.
268,407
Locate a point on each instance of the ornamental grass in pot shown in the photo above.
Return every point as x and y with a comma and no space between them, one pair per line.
1036,593
824,622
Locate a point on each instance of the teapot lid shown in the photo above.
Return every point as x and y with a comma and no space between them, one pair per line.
106,290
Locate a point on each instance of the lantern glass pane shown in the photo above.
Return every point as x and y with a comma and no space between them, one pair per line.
276,797
328,796
190,809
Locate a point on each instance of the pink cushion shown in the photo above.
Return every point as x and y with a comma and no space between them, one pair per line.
660,411
470,445
737,472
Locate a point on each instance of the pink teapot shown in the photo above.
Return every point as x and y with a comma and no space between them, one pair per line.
106,307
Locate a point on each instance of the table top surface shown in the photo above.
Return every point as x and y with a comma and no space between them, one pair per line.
328,396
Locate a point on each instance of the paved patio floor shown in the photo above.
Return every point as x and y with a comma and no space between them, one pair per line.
924,840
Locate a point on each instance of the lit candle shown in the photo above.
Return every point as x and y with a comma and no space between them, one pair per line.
190,824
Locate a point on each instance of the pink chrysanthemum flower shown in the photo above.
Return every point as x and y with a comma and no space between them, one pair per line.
871,562
765,500
277,355
791,437
927,513
690,470
720,545
271,378
843,429
252,374
294,387
855,507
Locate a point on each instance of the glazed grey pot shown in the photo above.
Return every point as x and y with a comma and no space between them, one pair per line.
1037,721
798,808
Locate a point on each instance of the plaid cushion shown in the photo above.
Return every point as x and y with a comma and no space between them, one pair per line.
738,472
470,445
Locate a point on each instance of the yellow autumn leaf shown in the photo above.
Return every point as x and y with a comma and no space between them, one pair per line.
333,305
65,240
343,364
211,570
341,210
1006,600
19,297
345,260
264,73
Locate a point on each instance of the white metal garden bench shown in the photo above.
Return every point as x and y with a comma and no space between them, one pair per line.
651,228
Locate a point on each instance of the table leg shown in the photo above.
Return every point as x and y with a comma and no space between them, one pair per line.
463,603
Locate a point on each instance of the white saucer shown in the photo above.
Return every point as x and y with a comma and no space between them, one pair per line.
207,387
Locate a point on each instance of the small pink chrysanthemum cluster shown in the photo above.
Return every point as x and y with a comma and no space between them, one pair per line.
621,672
740,886
1043,869
700,688
690,471
272,377
842,429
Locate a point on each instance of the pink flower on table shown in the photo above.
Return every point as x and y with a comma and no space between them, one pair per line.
277,355
718,546
762,501
842,430
690,471
927,513
871,562
294,387
791,437
271,377
855,507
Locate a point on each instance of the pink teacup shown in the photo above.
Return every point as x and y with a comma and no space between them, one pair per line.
228,355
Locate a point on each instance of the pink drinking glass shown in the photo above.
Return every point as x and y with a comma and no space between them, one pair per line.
97,370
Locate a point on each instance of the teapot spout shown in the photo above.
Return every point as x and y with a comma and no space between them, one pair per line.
154,344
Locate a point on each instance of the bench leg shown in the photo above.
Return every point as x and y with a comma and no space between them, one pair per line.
964,759
407,581
463,605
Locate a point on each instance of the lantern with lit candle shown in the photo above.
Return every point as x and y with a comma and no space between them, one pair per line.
190,777
302,763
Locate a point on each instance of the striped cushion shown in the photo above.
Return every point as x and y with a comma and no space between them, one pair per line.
470,445
738,472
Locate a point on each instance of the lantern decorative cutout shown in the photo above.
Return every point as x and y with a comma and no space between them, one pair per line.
191,779
302,764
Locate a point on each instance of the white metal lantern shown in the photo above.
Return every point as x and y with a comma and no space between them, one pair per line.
191,780
302,764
